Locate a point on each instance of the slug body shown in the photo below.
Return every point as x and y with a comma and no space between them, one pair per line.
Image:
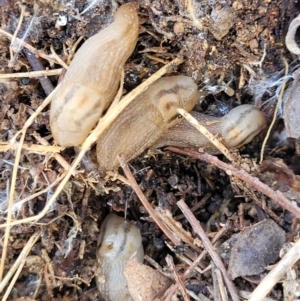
146,119
93,77
235,129
117,241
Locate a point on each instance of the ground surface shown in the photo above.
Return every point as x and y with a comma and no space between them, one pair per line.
222,47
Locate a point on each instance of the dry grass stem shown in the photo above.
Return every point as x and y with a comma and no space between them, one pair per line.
61,62
12,58
29,47
277,273
191,10
35,148
183,258
61,160
146,204
35,195
73,50
19,262
202,129
221,286
209,247
194,265
178,280
31,74
275,111
176,228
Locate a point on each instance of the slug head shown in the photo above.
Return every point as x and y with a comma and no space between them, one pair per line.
119,239
173,93
242,124
75,110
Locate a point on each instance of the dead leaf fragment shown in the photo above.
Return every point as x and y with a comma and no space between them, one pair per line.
144,283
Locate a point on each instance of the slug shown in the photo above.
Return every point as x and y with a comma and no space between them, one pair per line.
117,241
235,129
93,77
146,119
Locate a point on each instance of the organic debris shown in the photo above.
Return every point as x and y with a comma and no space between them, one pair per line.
53,200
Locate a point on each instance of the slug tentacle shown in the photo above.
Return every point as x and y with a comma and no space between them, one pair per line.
93,77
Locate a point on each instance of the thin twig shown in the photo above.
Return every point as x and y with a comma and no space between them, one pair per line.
145,202
35,148
277,196
208,245
59,158
193,265
35,195
178,280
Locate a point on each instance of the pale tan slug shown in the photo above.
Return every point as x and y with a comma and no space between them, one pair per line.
235,129
117,241
146,119
93,77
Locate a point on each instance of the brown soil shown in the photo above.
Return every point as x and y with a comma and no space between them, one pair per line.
62,262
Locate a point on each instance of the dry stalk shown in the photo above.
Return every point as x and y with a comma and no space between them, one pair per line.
18,265
194,265
254,182
178,279
202,129
31,74
14,179
58,58
57,156
191,10
277,273
209,247
146,204
29,47
275,112
35,148
35,195
73,50
103,124
11,61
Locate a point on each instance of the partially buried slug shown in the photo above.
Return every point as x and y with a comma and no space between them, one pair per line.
117,242
235,129
93,77
146,119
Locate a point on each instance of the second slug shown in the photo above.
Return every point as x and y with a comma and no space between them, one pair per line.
235,129
93,77
118,240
